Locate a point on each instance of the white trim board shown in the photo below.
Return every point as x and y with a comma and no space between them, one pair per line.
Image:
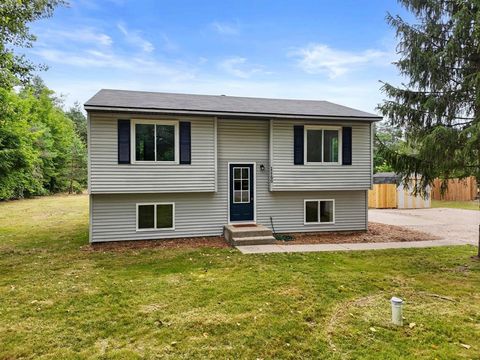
254,173
319,214
305,144
155,216
175,123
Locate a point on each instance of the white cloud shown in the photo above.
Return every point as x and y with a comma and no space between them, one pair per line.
93,58
237,66
134,38
320,58
82,35
224,28
168,44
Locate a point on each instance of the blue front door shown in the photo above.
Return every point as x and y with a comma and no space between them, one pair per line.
242,180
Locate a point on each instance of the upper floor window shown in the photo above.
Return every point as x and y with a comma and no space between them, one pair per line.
155,140
322,144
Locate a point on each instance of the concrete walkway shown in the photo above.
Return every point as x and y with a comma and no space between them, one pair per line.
264,249
452,226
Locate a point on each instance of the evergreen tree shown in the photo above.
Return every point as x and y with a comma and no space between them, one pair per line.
439,105
79,120
391,137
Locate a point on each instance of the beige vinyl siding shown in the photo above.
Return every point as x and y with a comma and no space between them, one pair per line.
109,177
205,214
320,177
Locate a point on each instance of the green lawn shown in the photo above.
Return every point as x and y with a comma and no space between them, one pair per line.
59,301
468,205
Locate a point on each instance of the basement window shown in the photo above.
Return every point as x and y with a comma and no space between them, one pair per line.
156,216
319,212
155,140
322,144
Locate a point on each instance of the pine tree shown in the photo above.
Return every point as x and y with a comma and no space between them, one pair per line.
439,105
80,121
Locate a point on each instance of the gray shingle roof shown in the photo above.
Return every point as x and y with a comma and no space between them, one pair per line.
107,99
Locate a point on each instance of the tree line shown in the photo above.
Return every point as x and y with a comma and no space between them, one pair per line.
42,147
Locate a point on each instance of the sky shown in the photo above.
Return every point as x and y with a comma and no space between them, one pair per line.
319,50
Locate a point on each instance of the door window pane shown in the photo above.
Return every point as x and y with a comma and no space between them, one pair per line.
241,185
164,216
330,146
311,211
237,185
165,142
237,196
314,145
146,216
144,142
326,211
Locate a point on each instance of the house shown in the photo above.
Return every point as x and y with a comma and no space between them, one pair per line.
165,165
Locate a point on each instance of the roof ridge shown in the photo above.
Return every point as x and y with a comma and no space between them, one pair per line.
220,95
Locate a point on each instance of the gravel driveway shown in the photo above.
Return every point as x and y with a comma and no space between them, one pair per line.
449,224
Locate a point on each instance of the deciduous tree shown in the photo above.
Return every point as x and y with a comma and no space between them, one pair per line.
15,18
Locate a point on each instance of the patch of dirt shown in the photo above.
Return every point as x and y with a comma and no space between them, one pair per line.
376,233
181,243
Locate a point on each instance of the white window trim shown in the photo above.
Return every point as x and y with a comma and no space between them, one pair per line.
318,222
241,185
175,123
155,216
322,127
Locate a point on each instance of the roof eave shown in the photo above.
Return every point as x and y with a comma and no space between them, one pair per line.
225,113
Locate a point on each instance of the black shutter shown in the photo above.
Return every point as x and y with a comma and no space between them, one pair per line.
346,146
123,127
298,140
185,143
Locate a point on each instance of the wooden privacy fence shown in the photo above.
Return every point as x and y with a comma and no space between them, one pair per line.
388,193
458,190
383,196
391,196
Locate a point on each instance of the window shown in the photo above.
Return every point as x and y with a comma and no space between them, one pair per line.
241,185
322,144
155,140
158,216
319,212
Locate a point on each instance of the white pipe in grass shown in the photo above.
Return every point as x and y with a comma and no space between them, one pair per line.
397,316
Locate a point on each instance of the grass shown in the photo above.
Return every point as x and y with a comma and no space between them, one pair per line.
468,205
58,300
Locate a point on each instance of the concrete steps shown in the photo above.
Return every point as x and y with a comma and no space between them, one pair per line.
238,235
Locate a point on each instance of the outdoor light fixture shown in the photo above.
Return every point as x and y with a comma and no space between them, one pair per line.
262,167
